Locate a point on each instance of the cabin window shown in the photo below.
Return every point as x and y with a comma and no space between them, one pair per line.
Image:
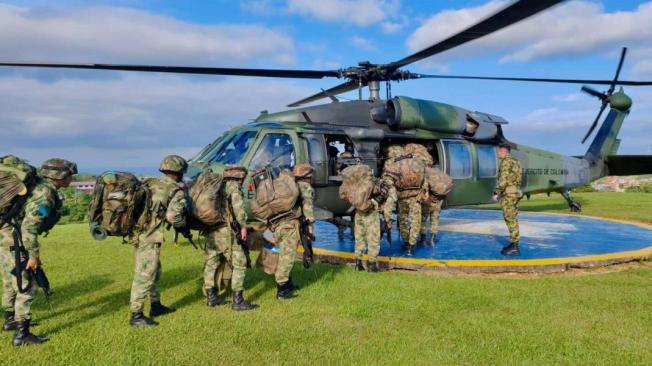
487,163
317,157
211,149
233,151
275,150
458,156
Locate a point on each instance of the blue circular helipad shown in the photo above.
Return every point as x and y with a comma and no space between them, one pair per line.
472,239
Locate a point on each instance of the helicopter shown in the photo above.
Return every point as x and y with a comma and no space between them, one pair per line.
462,141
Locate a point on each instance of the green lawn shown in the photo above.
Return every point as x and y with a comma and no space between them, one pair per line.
624,206
341,316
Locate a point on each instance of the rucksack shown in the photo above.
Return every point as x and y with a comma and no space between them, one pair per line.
117,203
206,195
275,194
17,179
439,182
411,172
358,186
420,152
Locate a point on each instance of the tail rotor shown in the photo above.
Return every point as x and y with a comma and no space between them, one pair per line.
603,96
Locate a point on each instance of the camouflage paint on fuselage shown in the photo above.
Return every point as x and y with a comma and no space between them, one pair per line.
543,171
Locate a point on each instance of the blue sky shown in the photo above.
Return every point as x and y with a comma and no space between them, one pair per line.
129,121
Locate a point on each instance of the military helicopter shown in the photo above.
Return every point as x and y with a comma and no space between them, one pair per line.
462,141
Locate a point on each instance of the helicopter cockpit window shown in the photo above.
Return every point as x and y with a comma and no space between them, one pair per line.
276,150
487,163
209,151
458,156
233,151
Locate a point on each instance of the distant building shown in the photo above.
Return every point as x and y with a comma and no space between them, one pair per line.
84,186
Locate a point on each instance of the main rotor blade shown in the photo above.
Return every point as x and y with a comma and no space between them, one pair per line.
273,73
595,122
508,16
339,89
542,80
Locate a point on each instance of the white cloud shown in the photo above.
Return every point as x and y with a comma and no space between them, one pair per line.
111,34
358,12
128,117
362,43
577,27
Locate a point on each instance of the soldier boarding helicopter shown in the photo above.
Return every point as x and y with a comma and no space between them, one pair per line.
464,142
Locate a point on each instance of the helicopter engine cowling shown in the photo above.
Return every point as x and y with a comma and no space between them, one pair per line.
403,113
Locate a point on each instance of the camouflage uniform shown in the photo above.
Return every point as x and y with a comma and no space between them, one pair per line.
431,210
409,219
221,243
168,205
148,241
509,181
392,196
367,233
287,235
43,199
41,211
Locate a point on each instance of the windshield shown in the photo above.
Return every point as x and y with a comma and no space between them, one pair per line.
209,151
233,151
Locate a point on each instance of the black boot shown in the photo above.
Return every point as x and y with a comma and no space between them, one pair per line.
213,299
283,291
24,337
157,309
372,266
422,239
410,250
358,265
511,249
10,321
140,320
239,303
432,239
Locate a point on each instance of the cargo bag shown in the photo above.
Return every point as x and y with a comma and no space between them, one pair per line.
420,152
411,173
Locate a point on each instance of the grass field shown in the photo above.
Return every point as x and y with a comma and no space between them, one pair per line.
341,316
624,206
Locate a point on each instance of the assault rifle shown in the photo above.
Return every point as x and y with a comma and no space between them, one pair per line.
185,231
386,229
235,226
306,242
21,257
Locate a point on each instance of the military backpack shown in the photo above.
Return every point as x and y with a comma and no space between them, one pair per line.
117,204
420,152
17,179
358,186
439,183
410,172
207,201
275,194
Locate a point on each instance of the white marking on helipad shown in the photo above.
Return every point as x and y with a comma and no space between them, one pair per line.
530,229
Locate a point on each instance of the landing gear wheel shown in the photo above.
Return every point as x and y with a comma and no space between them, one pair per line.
575,206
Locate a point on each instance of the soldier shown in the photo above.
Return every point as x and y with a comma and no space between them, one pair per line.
367,231
40,212
508,192
390,176
148,240
222,245
286,231
430,209
409,214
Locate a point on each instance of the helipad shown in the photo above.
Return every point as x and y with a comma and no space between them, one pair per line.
470,240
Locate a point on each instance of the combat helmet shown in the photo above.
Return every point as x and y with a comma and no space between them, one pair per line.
58,168
234,172
174,164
